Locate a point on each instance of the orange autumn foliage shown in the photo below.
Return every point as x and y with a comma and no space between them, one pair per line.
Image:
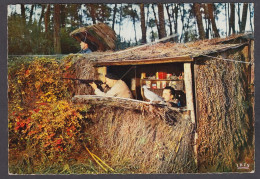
43,122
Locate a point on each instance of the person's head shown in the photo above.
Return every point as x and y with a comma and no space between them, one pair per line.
168,93
110,79
83,45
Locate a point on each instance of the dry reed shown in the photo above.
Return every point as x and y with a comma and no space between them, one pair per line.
225,122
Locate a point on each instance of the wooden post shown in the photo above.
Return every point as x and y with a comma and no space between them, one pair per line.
190,102
188,89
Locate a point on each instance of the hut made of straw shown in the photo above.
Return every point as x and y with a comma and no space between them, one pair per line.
212,132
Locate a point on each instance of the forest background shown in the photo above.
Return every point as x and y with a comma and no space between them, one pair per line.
44,28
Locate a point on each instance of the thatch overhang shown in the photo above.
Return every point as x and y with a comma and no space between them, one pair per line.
166,52
99,37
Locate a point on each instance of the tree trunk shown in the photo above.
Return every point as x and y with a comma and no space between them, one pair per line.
62,15
23,14
244,17
182,21
176,9
187,26
31,14
103,9
251,24
207,22
92,11
238,15
162,32
197,12
114,17
120,20
56,32
232,19
169,17
155,19
41,17
206,19
226,15
47,18
143,27
133,15
212,19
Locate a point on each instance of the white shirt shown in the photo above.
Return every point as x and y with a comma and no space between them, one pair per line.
120,89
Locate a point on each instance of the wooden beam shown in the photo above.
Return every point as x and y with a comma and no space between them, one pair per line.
190,102
145,61
188,89
125,103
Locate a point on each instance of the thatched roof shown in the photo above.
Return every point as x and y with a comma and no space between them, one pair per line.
100,37
167,52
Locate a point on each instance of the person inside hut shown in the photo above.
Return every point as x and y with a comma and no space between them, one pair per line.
170,97
118,88
84,47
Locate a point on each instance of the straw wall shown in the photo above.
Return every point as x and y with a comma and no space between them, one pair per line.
84,70
224,114
148,141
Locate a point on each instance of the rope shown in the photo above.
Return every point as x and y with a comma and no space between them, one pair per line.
126,72
230,60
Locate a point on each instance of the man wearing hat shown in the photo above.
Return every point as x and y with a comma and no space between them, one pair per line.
118,88
84,47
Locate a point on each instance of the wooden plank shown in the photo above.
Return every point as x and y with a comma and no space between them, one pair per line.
125,103
190,102
145,61
188,89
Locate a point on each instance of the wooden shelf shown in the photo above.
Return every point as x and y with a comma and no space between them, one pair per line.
177,84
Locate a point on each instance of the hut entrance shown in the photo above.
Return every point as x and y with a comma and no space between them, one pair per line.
155,76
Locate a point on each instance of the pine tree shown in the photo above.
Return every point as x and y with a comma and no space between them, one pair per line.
198,15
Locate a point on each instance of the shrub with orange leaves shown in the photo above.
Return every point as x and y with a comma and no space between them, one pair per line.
43,122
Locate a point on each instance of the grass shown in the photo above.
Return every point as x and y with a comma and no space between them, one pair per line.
66,167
